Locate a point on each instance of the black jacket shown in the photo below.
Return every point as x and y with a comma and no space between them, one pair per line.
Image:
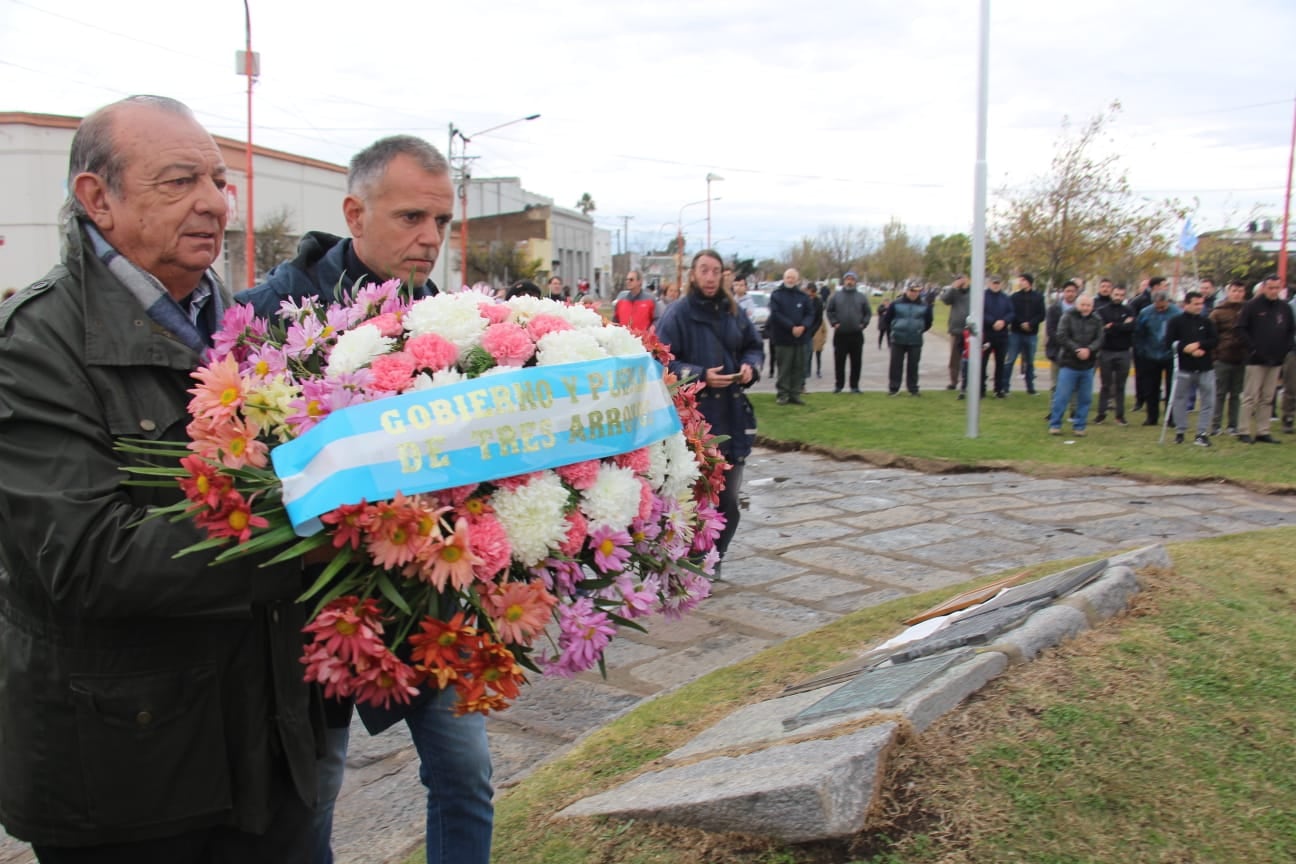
141,695
704,333
1187,329
1266,326
1076,331
1028,308
907,321
1118,325
324,264
789,307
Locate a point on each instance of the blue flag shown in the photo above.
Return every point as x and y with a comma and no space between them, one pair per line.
1187,239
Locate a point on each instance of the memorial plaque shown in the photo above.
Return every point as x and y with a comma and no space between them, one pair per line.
838,674
1050,587
971,630
882,687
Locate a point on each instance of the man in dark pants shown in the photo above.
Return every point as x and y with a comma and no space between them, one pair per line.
791,314
908,319
958,297
153,706
1114,358
997,320
848,315
1028,315
1155,360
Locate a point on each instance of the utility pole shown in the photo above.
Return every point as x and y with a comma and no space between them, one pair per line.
249,64
626,223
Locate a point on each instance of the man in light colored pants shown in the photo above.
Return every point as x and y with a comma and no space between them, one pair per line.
1204,384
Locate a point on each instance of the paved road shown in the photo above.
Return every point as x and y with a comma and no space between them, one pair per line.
819,539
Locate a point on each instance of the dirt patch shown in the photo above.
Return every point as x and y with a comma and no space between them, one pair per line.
928,465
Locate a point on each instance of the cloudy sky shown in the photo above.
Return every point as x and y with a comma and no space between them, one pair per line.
816,113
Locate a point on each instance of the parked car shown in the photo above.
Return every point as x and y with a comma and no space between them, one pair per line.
760,309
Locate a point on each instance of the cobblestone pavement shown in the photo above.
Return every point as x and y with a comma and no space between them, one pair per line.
819,539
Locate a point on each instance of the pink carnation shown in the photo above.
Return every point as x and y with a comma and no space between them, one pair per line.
577,530
517,481
542,325
508,343
647,500
637,461
388,324
392,373
432,352
495,313
579,475
491,546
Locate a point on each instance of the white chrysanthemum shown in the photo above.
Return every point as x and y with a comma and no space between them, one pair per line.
579,316
356,349
454,317
658,462
568,346
442,377
613,500
619,342
525,307
267,404
532,517
682,471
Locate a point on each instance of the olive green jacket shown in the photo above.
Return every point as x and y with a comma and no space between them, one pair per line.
141,695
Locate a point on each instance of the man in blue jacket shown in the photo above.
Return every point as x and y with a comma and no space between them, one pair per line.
1028,315
791,316
398,209
996,321
1155,360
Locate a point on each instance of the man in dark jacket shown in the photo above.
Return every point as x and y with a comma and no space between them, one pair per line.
908,318
153,706
848,315
398,207
958,297
1028,315
1080,336
997,320
389,240
1062,305
1265,324
791,315
1230,357
1194,335
1114,358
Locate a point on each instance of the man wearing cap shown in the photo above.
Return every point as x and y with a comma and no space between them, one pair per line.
848,315
958,297
908,318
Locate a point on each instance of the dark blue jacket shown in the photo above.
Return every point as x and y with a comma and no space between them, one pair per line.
908,321
1028,308
997,306
704,333
1149,333
324,263
789,307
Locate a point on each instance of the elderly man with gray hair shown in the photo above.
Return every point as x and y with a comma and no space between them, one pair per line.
1155,359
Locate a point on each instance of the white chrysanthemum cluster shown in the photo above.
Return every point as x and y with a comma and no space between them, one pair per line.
568,346
579,316
681,468
532,516
613,500
526,307
658,462
453,317
357,348
619,342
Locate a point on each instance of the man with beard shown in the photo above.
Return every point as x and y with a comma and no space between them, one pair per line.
1114,357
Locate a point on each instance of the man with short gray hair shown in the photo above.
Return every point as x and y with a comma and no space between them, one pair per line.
398,208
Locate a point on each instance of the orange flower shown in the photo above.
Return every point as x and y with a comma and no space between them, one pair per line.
519,610
450,559
219,394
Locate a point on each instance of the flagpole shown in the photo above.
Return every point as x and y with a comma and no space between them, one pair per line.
977,294
1282,246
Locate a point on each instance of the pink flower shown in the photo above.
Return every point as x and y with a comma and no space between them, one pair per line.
637,461
577,530
495,313
231,442
647,499
584,633
451,560
508,343
386,681
490,546
219,394
392,373
239,322
432,352
519,610
517,480
388,324
639,601
710,523
559,576
304,338
580,475
542,325
609,548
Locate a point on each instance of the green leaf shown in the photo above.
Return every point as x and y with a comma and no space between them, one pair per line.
392,594
326,575
297,550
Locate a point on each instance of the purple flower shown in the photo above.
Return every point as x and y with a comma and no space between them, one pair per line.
234,327
304,338
583,633
711,523
609,547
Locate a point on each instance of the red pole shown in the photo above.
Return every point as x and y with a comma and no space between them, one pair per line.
250,253
1282,246
463,228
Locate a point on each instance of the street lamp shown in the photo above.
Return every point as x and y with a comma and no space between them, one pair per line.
709,178
463,182
679,237
249,64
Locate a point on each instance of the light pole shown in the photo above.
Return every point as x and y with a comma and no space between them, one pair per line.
463,184
249,64
679,237
709,178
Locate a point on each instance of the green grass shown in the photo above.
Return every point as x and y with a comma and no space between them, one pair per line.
1012,433
1162,736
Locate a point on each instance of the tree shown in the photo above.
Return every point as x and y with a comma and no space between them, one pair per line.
1082,217
898,258
586,204
843,248
806,256
275,240
1224,260
946,257
500,263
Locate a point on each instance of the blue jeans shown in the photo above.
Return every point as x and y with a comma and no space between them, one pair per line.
1022,344
454,765
1079,382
